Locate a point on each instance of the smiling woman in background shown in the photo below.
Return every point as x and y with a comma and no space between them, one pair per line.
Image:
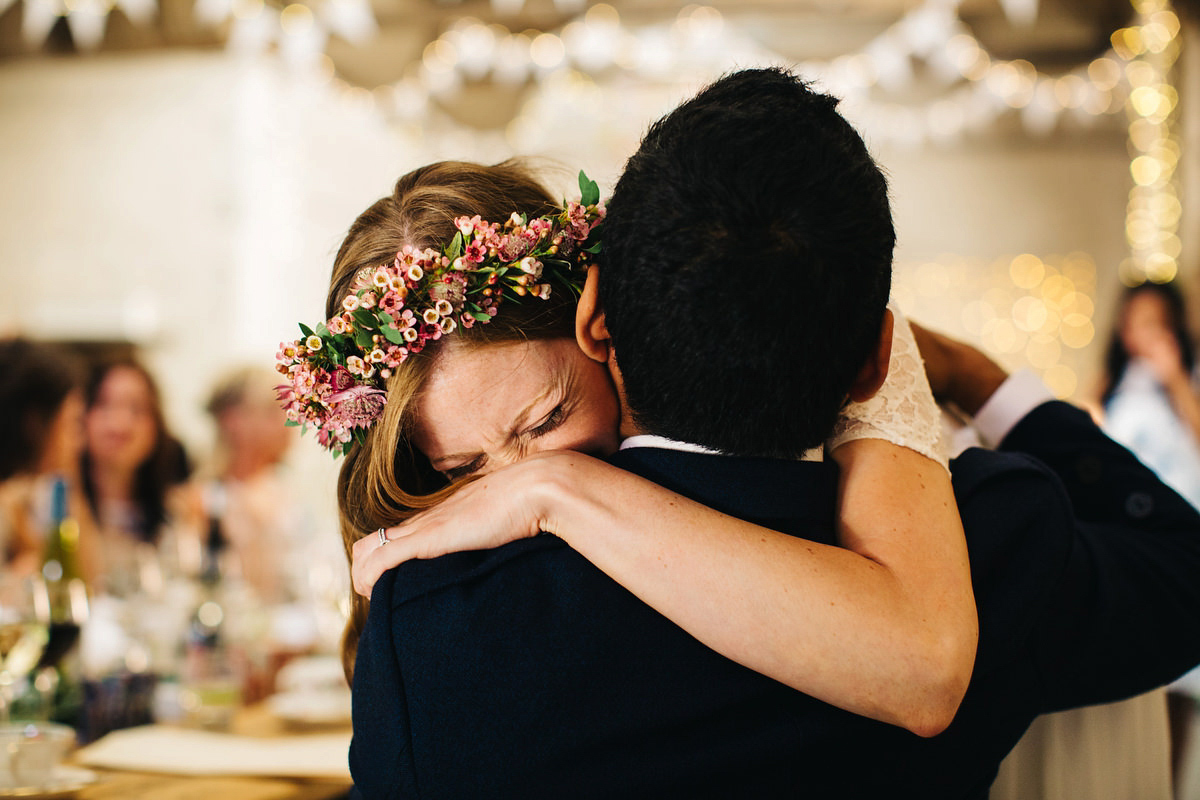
130,463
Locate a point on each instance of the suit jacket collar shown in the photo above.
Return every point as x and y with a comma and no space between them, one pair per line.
763,490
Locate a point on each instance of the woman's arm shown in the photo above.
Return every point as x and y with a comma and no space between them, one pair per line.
884,627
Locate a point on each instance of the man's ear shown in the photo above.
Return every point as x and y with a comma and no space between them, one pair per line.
591,332
874,372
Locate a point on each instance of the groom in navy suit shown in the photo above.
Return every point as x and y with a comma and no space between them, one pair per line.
746,268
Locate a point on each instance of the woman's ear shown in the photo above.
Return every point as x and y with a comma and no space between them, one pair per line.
591,332
874,372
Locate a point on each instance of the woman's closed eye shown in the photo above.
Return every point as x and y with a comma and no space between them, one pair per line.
552,420
463,470
548,424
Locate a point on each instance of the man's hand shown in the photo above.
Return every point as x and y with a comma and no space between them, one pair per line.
958,373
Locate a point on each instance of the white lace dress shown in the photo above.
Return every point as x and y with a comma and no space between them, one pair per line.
903,410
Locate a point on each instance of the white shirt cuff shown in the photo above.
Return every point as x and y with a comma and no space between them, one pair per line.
1021,392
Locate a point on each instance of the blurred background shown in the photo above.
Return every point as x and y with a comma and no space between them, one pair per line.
178,173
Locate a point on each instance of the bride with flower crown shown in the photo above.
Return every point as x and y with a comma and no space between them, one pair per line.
448,355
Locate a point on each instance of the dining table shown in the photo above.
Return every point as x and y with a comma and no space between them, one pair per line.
259,757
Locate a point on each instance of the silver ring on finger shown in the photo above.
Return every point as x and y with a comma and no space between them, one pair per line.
382,534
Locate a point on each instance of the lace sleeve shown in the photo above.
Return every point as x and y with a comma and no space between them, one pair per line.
902,411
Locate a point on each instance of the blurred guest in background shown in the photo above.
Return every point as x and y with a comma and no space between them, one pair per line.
130,464
41,410
245,489
1149,398
1151,406
1148,403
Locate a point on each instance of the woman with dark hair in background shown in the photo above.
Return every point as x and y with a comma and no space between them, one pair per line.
41,412
1119,750
1151,406
130,463
1149,398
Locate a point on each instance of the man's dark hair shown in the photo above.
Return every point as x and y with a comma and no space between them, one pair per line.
746,266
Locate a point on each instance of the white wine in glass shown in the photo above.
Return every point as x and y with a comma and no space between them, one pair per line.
24,632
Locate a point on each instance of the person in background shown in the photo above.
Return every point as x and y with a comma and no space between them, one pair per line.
1151,405
1146,402
130,465
41,410
1149,398
245,489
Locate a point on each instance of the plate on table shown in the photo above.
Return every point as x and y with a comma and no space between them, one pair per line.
312,707
64,782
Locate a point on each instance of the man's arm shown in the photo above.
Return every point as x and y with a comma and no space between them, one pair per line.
1131,576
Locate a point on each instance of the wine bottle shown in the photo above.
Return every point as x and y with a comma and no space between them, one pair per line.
211,683
64,580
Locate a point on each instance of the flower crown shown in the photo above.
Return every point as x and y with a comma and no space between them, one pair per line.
336,372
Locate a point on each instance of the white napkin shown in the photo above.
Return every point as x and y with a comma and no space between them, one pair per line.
159,748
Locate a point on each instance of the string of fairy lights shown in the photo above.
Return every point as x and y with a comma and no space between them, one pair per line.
1150,47
1040,311
977,87
1037,310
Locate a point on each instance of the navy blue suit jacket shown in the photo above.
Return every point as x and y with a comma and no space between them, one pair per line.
525,672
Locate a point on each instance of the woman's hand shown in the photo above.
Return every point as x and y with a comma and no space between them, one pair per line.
510,503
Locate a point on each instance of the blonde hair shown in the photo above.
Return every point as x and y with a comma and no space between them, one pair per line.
386,479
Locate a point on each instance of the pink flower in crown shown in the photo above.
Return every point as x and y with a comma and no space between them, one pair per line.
395,357
512,248
391,303
475,251
286,395
368,300
350,302
336,325
356,407
406,319
341,379
303,381
467,225
323,437
578,226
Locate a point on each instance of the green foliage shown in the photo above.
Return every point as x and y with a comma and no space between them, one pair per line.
589,191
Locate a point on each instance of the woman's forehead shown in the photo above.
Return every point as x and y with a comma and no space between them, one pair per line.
479,392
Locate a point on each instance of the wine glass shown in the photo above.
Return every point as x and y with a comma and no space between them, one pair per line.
24,632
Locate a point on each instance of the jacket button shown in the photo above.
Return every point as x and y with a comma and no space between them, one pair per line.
1139,505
